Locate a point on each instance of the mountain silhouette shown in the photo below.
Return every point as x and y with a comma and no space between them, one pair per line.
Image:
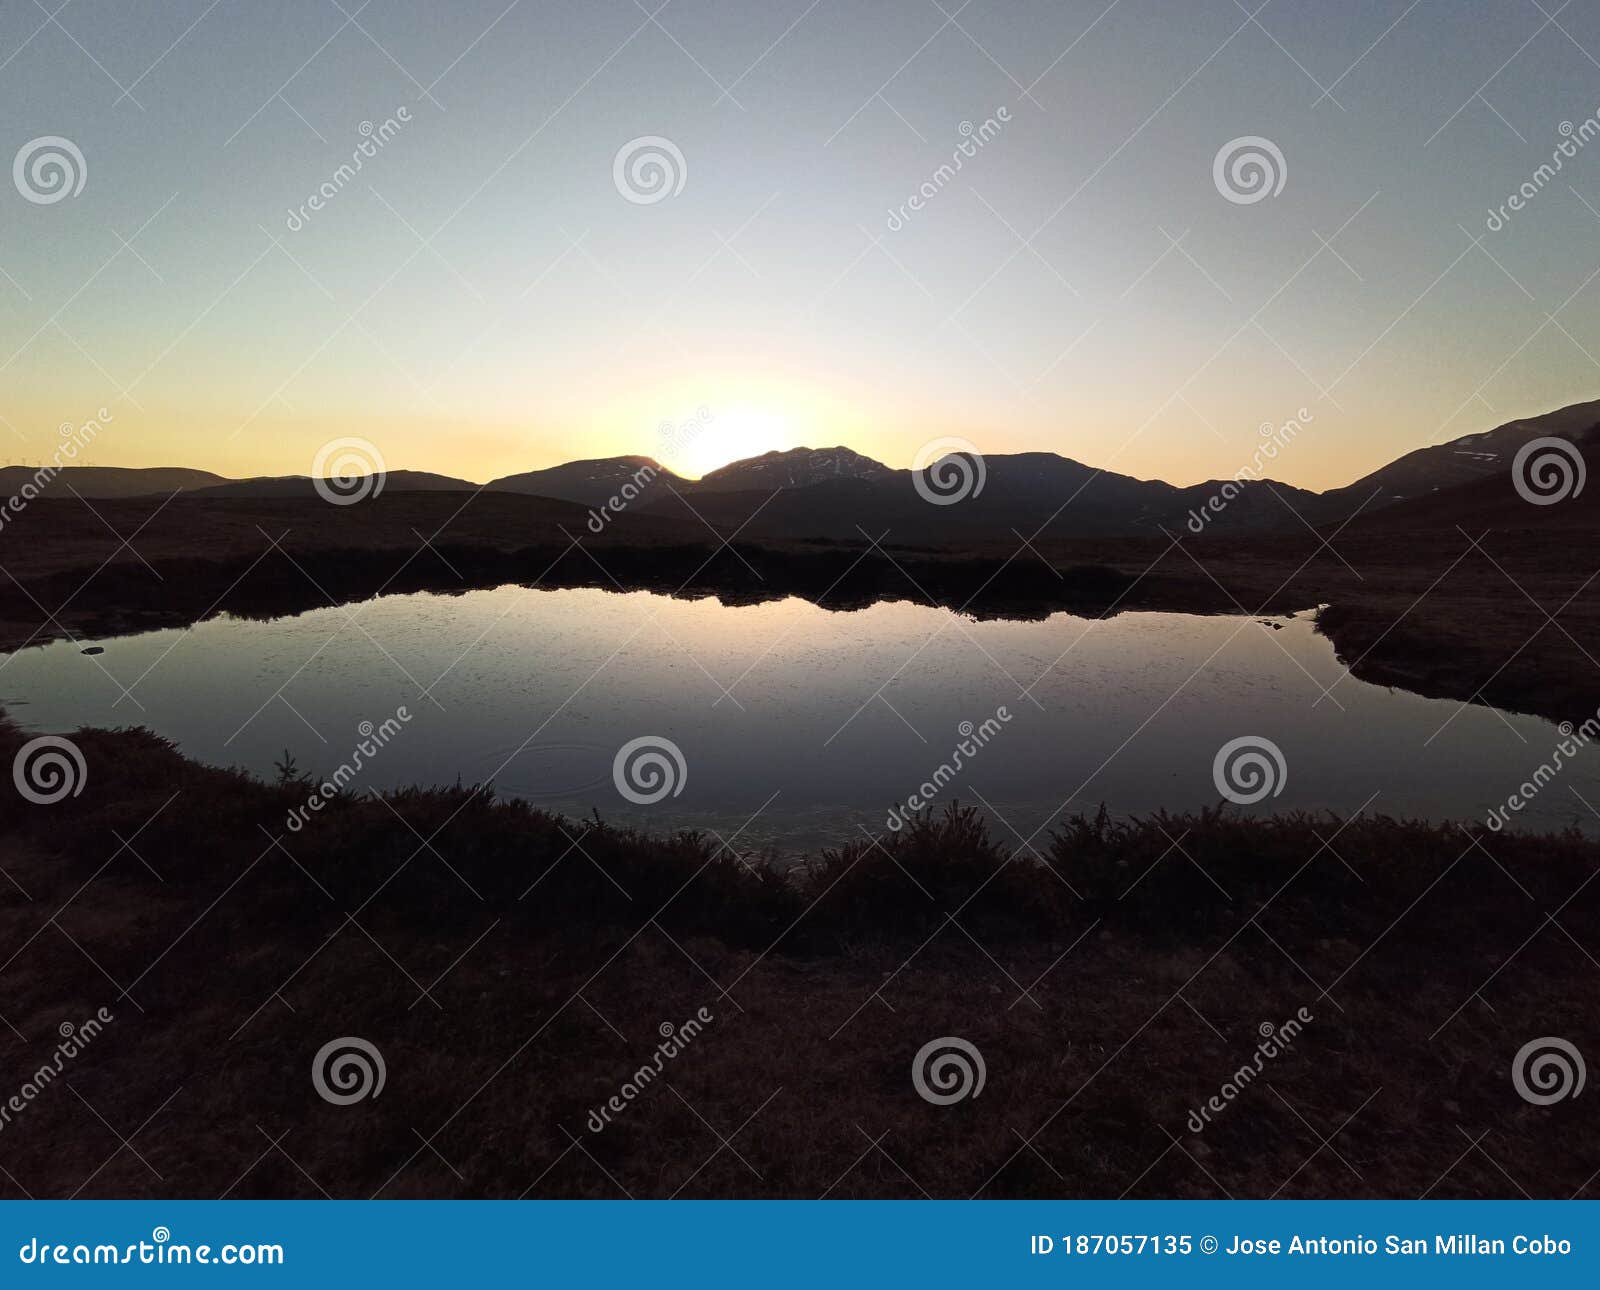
1473,456
794,468
400,481
837,493
595,481
106,481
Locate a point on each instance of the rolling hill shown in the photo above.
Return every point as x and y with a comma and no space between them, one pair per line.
595,481
837,493
397,481
795,468
1472,456
108,481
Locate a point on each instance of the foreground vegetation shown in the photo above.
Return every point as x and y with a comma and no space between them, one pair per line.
515,970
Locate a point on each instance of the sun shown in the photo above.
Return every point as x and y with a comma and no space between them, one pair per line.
707,437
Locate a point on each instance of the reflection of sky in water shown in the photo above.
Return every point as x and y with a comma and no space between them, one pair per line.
841,714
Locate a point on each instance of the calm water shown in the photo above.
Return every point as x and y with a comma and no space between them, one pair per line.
840,714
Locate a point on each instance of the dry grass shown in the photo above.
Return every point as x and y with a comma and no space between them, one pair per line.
514,978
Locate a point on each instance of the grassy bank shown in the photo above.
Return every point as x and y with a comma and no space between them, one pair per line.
1502,617
514,969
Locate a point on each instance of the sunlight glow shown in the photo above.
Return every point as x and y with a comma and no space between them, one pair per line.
708,437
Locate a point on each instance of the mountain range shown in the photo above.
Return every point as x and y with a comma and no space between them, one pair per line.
839,493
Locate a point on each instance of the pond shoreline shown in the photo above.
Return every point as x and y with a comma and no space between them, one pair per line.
1417,615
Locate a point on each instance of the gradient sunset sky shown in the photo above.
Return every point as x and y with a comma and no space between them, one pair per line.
482,299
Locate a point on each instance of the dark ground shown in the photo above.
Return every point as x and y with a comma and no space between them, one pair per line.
513,981
514,970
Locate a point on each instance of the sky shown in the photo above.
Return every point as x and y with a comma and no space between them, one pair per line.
496,289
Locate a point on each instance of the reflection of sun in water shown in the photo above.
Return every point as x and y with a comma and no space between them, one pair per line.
705,438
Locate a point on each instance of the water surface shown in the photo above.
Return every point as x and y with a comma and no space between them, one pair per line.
819,721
